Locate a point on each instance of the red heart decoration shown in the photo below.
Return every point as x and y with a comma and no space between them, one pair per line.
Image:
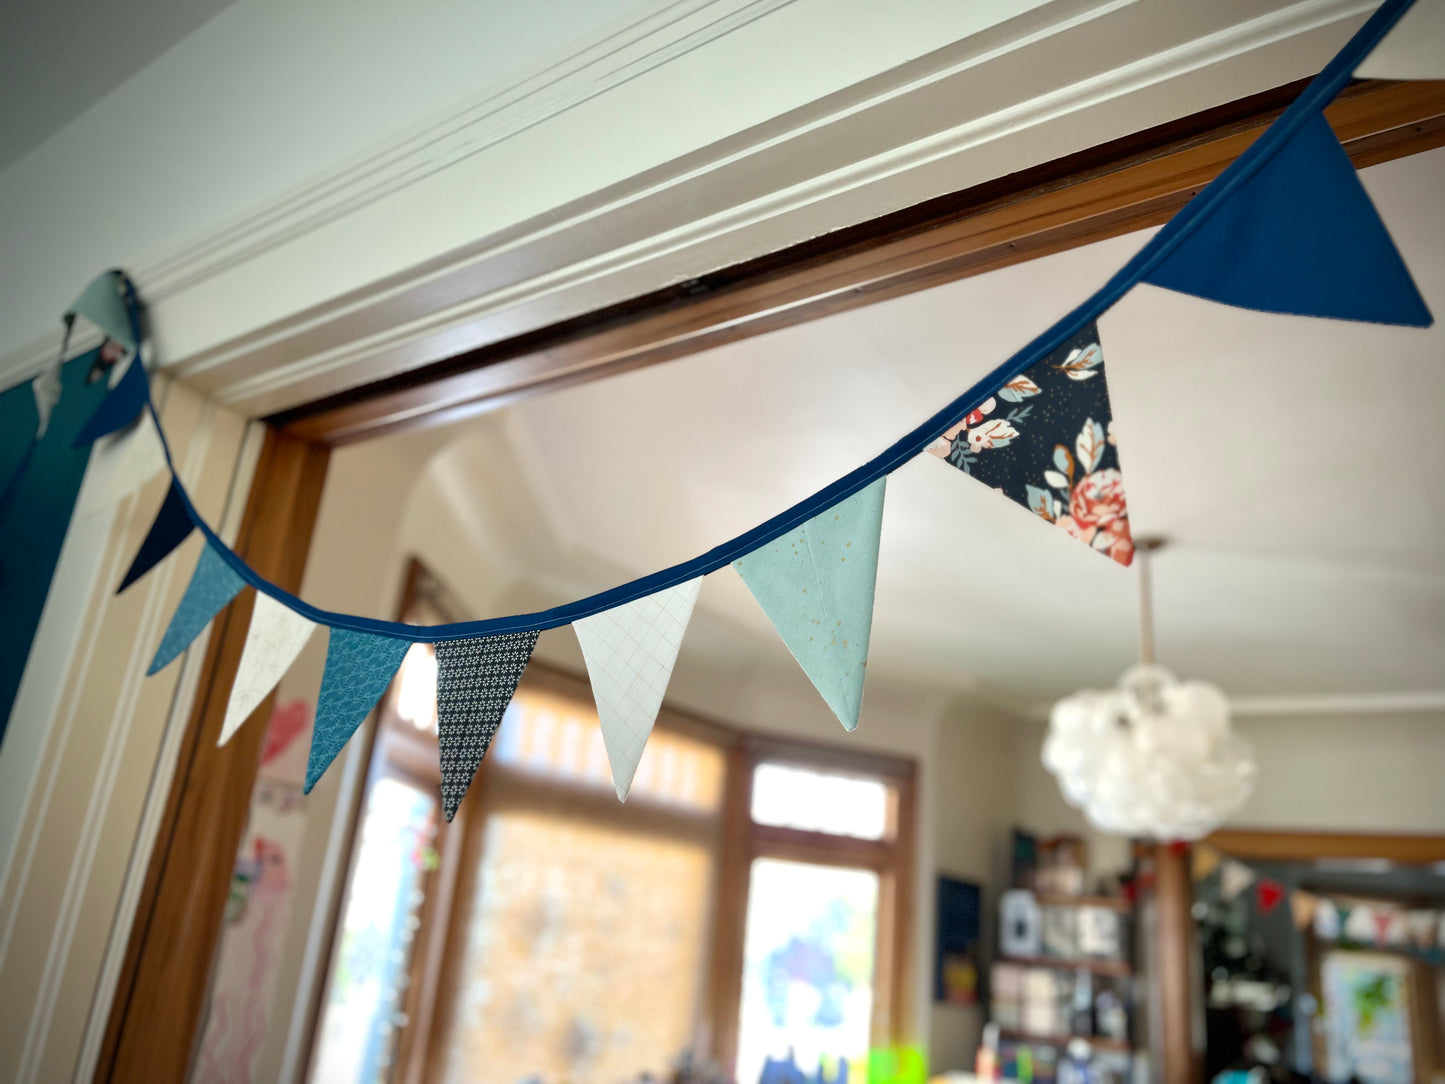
1268,894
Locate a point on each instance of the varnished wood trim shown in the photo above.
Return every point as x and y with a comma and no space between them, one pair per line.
1265,845
1125,185
158,1000
1173,962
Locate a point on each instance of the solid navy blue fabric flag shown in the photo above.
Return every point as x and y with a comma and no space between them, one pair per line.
119,408
172,526
1300,236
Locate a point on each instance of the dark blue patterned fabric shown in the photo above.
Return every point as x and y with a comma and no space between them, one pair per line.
1044,441
359,667
475,682
172,526
1300,236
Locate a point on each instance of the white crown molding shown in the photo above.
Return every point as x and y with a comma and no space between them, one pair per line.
1297,705
1069,72
1404,703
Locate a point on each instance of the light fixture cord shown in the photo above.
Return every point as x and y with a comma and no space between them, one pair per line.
1146,605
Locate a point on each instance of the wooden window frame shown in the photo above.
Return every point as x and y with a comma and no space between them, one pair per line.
894,859
1114,188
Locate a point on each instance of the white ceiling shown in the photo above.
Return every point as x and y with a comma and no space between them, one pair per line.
1297,465
59,57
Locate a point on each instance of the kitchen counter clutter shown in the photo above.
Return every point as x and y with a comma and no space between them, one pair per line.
1060,1003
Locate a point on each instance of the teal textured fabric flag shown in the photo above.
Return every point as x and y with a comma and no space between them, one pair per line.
359,667
212,585
815,583
1299,236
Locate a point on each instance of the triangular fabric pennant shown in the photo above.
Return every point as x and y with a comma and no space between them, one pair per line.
276,636
1413,49
121,464
1440,934
630,652
1421,926
475,682
1388,929
172,526
1299,236
1302,908
103,302
1329,923
1045,441
1268,894
1359,923
119,407
213,584
815,584
1204,861
1234,878
359,667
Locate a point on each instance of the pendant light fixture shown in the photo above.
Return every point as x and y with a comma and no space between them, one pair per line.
1153,756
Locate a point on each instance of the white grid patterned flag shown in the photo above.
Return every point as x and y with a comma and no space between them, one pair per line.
275,638
630,652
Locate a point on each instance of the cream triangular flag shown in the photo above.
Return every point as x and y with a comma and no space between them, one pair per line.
1302,906
1327,921
1422,928
630,652
1234,878
1360,925
1204,861
1413,49
276,636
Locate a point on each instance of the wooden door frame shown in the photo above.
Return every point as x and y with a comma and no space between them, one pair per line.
1124,185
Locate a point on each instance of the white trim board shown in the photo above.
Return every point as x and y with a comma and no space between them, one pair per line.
1063,76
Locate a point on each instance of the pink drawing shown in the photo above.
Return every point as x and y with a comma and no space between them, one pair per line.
287,721
237,1021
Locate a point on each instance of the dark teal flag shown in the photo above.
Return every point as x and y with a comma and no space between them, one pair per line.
1298,236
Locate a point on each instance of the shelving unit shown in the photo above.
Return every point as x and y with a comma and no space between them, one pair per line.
1098,1042
1116,968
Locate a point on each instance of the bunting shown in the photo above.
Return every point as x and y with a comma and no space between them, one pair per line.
1204,861
172,526
1234,878
274,639
1328,921
213,584
1045,441
1268,894
1287,228
475,682
1421,926
815,583
1300,236
359,667
120,407
1302,906
630,653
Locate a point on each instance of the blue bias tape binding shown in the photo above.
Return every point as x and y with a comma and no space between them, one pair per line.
1192,217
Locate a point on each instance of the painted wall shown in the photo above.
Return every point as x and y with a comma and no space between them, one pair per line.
87,764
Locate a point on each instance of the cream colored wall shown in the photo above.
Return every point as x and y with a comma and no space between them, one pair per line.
104,750
1384,773
1316,773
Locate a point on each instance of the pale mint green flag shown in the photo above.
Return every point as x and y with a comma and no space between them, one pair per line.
815,583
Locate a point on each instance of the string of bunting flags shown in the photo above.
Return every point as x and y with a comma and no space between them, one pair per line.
1287,228
1331,917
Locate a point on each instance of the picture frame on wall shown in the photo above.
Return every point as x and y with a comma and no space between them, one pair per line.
957,956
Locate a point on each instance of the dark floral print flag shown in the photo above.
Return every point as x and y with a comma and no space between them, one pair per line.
1046,441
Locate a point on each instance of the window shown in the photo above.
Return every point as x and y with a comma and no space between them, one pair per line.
747,904
822,940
